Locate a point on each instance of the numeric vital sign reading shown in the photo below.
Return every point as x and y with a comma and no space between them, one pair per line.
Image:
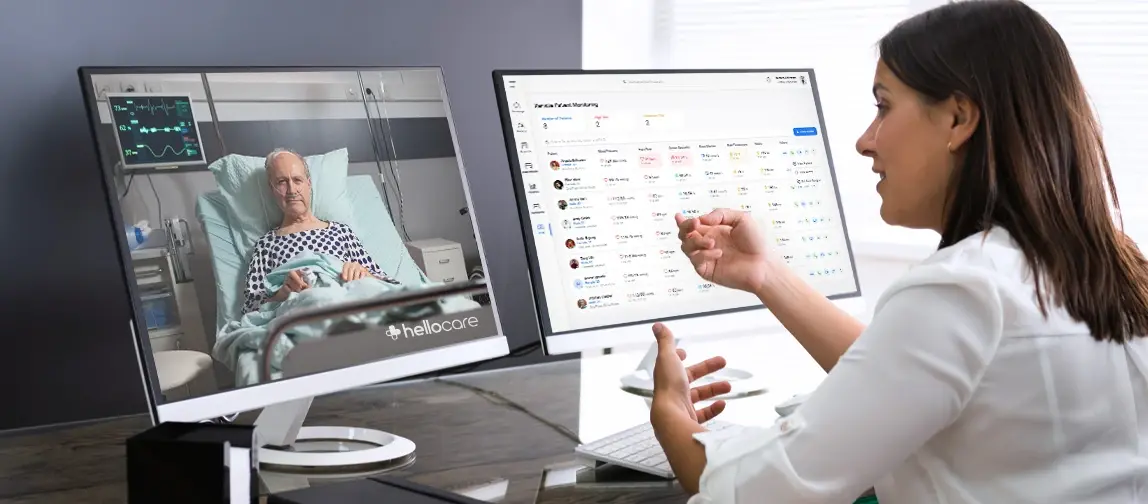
156,131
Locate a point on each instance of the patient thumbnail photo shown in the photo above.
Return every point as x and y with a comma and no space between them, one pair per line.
266,211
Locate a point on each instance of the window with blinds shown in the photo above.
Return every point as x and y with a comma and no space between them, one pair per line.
1108,40
837,38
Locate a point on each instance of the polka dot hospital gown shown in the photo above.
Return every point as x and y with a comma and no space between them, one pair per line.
272,250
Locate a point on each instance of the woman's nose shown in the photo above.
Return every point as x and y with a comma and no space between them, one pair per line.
867,143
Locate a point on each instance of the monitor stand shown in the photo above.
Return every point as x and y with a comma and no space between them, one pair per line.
742,383
285,443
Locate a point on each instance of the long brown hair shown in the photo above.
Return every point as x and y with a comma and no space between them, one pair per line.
1035,165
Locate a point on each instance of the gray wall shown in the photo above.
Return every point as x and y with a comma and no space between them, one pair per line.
69,356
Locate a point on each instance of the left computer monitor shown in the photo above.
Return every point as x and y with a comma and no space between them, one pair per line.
287,233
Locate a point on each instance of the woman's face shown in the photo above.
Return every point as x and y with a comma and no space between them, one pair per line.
911,144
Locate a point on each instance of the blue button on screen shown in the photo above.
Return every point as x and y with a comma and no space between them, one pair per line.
811,131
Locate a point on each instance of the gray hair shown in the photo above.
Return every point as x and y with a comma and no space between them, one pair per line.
270,160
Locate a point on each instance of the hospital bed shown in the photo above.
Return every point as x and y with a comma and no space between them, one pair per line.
229,257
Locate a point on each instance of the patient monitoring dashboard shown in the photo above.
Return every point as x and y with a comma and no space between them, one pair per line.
603,162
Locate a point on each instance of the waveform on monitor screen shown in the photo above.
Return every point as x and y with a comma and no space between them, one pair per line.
162,106
184,150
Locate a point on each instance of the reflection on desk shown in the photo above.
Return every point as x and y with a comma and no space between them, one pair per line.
472,442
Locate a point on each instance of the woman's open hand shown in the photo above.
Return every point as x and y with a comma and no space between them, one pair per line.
726,247
672,392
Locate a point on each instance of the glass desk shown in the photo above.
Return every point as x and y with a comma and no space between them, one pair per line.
500,436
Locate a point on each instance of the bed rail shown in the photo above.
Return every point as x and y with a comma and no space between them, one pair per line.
393,300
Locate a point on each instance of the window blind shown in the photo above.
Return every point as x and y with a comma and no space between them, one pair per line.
1108,40
837,38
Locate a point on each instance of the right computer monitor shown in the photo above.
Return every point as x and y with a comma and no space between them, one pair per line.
603,160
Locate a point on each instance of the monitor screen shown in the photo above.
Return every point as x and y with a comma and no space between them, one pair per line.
247,196
155,130
603,160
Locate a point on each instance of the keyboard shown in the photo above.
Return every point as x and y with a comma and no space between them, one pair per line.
634,448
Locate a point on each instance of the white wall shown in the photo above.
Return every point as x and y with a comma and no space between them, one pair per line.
641,34
618,34
625,35
405,85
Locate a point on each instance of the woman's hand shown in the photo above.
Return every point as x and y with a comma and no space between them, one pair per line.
354,271
672,392
673,415
726,248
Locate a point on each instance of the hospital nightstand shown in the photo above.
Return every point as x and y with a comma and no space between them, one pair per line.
155,284
170,307
441,260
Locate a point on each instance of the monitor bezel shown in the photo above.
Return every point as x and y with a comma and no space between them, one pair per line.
136,321
144,166
534,277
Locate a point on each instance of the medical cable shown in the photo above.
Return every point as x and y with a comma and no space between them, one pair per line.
158,201
392,156
378,156
383,176
128,186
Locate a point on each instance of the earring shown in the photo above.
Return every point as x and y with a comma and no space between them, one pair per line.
950,146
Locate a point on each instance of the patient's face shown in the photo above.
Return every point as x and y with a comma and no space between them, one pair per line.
290,185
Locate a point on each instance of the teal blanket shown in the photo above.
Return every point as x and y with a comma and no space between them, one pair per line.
240,343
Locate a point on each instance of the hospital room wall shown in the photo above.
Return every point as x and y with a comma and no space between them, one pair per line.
422,217
65,303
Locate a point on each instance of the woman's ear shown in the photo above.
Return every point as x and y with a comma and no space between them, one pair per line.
966,118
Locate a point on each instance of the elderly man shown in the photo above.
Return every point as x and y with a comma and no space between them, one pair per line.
300,231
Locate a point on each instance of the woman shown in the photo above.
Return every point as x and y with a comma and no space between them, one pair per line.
300,231
1010,366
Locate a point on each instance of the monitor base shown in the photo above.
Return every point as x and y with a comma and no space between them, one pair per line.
285,445
742,383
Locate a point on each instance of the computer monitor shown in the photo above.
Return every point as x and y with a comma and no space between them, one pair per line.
289,233
154,130
602,160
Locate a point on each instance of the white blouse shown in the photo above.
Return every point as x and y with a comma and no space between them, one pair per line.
959,391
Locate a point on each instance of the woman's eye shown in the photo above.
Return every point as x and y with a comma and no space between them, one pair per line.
881,108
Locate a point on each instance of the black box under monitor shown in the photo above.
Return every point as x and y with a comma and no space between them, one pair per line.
193,463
